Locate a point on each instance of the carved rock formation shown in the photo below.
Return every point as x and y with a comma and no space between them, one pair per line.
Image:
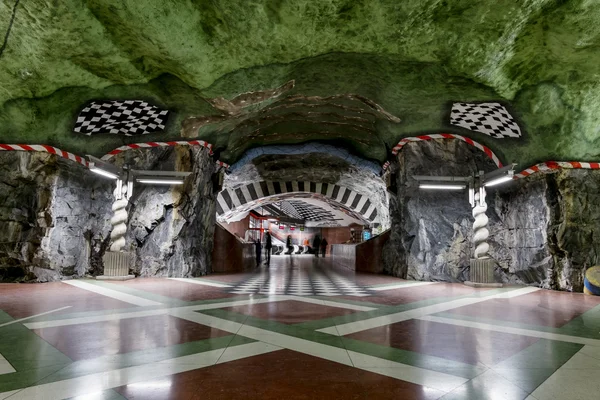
542,229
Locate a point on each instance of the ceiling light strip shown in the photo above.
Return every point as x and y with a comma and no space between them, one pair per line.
45,149
471,142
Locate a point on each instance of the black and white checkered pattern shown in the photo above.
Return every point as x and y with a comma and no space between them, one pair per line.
306,211
488,118
249,196
128,118
317,284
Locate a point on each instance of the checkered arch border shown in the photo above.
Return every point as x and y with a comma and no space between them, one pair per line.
232,200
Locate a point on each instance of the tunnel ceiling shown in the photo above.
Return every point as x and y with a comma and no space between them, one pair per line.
359,74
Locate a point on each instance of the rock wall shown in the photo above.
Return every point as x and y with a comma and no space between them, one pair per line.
543,229
55,216
171,228
53,222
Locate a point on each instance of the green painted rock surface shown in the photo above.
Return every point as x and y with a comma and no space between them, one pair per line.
412,58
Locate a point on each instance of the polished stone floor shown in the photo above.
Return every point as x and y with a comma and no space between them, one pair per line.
300,329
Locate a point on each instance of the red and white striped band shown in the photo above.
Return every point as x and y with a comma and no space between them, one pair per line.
157,144
550,166
481,147
222,164
46,149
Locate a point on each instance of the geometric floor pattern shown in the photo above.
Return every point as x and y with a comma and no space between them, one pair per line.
290,280
199,338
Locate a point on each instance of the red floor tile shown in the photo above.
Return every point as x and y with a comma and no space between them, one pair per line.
456,343
22,300
123,336
544,307
290,312
281,375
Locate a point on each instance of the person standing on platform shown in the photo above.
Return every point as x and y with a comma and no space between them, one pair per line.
257,248
317,245
324,246
268,246
288,243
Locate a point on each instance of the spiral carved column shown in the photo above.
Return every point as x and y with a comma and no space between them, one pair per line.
482,266
481,233
119,219
116,261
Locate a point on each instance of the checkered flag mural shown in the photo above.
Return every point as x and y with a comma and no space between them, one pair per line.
310,212
489,118
128,118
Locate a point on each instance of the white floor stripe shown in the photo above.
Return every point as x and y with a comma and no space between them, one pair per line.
33,316
97,318
5,366
6,395
352,327
200,282
127,298
107,380
401,285
516,331
420,376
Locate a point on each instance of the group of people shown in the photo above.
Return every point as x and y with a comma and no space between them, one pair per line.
268,247
319,246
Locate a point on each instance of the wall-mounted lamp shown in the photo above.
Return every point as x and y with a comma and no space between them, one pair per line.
102,168
499,176
159,177
442,182
438,186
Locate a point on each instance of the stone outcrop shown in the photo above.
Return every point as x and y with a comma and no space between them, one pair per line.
171,228
543,229
53,221
55,216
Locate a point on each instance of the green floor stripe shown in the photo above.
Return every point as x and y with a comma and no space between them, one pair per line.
532,366
173,302
25,350
388,353
142,357
586,325
26,378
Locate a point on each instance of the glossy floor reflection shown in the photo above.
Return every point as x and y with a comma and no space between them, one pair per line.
300,329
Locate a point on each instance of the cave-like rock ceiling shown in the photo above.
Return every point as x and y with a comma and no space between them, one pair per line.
358,73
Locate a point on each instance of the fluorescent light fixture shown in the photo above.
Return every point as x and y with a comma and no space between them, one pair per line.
160,181
441,186
103,172
499,180
103,168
